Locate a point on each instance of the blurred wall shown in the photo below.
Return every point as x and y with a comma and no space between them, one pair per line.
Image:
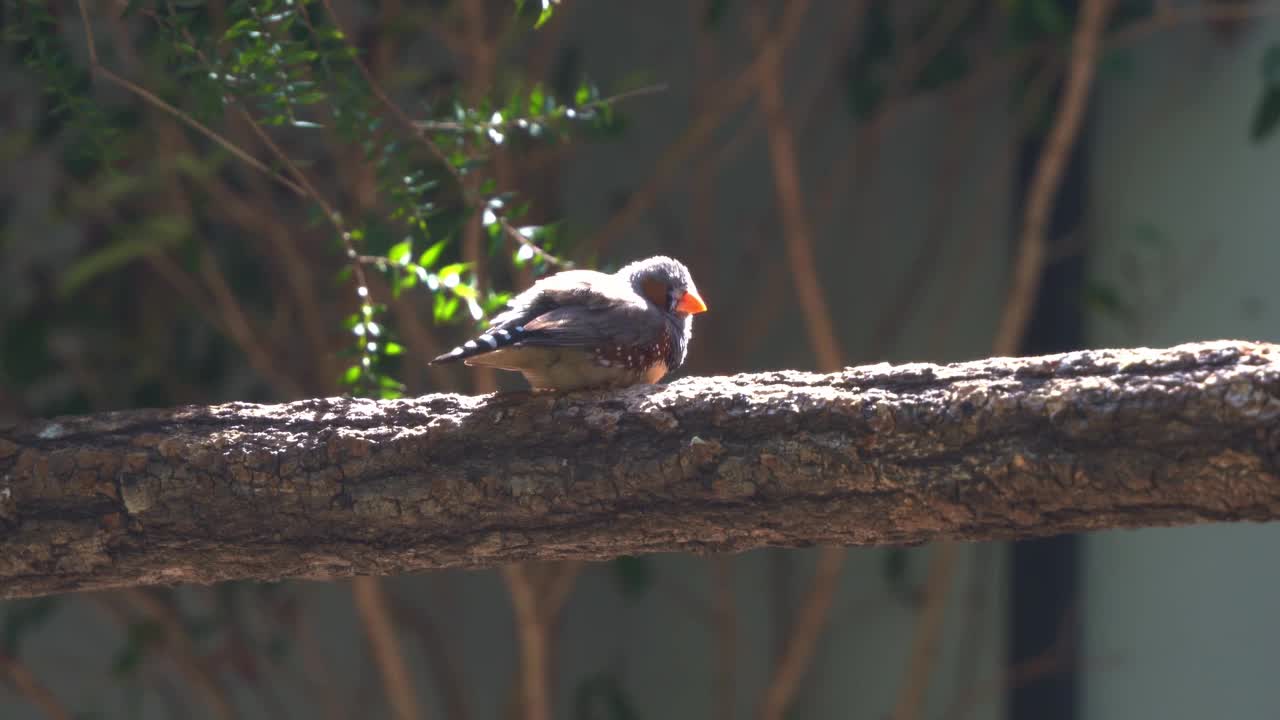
1181,623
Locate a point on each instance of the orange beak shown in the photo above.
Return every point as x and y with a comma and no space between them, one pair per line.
691,303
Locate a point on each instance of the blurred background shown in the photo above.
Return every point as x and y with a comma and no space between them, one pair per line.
849,182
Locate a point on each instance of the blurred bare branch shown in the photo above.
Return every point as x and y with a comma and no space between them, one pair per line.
928,629
532,630
442,658
802,641
674,159
805,278
176,643
1165,15
726,634
29,686
1032,245
812,615
375,613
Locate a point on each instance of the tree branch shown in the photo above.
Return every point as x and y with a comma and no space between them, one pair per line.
1000,448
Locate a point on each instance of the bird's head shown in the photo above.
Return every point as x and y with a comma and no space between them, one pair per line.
667,284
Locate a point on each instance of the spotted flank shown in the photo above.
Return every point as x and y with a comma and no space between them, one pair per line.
488,342
640,357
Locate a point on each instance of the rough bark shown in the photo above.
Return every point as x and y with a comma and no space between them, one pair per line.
999,448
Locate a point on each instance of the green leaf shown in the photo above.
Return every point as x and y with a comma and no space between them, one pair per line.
716,11
242,27
865,78
634,575
22,616
445,307
948,65
1118,62
543,16
1271,66
449,271
601,695
896,563
1149,235
141,638
537,100
113,256
400,253
352,375
496,301
393,348
431,254
1266,115
1049,17
465,291
1107,301
895,566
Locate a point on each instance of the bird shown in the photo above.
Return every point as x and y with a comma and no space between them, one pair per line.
585,329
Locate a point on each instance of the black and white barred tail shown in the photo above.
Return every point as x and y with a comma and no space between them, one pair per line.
488,342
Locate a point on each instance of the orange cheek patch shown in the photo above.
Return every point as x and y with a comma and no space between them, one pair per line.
655,291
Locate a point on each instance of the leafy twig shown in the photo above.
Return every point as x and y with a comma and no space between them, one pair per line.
507,123
195,125
435,150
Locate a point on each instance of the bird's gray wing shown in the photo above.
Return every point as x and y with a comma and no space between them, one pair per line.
558,347
589,327
571,288
575,308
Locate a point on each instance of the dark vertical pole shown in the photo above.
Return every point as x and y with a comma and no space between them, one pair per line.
1045,573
